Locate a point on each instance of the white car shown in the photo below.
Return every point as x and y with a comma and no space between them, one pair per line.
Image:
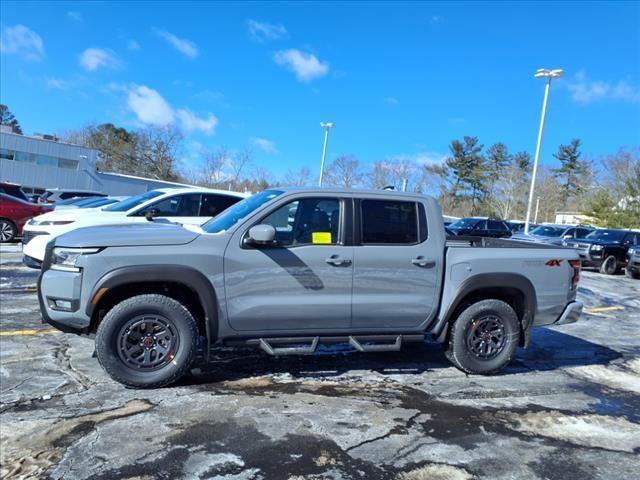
180,205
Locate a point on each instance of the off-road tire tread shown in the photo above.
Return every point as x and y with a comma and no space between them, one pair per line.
102,350
456,357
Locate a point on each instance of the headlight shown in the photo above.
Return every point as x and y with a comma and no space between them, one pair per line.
50,222
631,251
596,248
65,258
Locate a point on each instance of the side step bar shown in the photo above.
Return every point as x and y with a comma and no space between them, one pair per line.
362,343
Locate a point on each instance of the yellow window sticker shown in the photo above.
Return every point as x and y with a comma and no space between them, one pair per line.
321,237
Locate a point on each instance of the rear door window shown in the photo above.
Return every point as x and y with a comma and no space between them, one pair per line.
497,225
187,205
212,204
389,222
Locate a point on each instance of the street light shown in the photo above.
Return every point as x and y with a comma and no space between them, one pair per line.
327,126
548,74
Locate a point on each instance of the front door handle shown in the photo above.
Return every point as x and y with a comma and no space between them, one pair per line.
337,261
423,262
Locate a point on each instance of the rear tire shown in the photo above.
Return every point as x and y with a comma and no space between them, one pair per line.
8,231
147,341
484,337
609,266
631,274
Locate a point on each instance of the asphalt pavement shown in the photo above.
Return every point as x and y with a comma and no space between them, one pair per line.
567,408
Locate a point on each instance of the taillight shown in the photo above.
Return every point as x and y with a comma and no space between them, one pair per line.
576,265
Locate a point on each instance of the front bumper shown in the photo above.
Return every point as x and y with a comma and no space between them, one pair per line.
60,286
571,313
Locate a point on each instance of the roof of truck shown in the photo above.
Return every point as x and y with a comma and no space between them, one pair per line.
355,191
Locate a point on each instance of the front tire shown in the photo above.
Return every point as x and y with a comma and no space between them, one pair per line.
484,337
8,231
609,265
147,341
631,274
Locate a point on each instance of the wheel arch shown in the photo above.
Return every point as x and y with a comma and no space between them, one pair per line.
512,288
185,284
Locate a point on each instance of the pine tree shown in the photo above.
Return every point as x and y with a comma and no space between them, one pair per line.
573,172
8,118
466,166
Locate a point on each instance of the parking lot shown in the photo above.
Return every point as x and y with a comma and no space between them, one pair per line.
568,407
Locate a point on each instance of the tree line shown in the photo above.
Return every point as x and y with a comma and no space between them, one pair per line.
472,180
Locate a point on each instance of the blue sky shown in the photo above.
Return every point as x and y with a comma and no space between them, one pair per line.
398,79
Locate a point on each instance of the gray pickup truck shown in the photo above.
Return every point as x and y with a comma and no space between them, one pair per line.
289,269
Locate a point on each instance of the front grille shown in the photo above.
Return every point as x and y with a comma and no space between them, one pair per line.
27,236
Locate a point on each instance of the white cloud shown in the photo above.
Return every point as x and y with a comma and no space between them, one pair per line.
75,16
23,41
59,84
184,46
390,100
429,158
190,122
149,106
436,19
267,146
133,45
263,31
423,158
585,90
94,58
306,66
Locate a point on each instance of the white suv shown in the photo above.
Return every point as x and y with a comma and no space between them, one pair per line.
179,205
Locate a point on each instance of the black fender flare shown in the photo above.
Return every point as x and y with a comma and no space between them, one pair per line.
490,280
187,276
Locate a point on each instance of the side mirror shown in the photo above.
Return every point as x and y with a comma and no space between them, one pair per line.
261,235
151,214
567,236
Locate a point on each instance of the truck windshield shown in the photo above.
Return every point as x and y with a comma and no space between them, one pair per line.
609,235
547,231
129,203
234,214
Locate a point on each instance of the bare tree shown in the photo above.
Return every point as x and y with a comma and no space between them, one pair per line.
158,151
298,178
344,172
238,162
213,172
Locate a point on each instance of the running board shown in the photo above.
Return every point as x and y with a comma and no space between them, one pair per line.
268,348
362,343
380,347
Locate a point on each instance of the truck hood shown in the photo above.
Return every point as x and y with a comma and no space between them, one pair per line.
127,235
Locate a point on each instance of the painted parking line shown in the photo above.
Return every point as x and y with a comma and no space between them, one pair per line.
11,333
603,309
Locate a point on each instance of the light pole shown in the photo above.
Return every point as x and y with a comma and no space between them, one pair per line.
327,126
548,74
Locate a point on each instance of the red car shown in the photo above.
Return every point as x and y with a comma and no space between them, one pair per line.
14,213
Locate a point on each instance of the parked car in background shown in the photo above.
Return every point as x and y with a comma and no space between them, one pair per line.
371,269
86,202
14,213
517,226
448,220
14,190
553,234
481,227
605,249
181,205
633,262
53,195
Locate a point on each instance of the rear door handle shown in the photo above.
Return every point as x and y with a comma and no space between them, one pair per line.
423,262
337,261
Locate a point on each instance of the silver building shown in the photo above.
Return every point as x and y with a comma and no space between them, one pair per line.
41,162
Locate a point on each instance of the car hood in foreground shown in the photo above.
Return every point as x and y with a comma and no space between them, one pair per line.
592,241
153,233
